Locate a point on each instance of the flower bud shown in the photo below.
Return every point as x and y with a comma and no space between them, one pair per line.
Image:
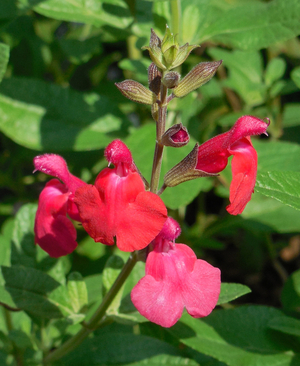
185,170
198,76
135,91
167,54
154,78
171,79
176,136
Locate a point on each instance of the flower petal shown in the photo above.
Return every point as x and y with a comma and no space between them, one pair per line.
174,280
120,207
56,166
244,169
54,232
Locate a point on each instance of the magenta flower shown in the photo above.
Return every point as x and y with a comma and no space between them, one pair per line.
118,206
175,279
54,232
213,157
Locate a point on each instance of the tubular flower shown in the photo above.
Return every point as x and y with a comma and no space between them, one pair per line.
175,279
118,206
213,157
54,232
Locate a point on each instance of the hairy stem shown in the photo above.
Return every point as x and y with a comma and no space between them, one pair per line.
159,148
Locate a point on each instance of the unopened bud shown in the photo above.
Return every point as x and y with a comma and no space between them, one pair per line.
185,170
176,136
154,78
198,76
135,91
171,79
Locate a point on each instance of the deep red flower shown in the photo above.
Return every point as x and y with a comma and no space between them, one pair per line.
213,157
118,207
54,232
175,279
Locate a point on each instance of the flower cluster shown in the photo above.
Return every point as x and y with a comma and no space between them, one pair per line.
120,209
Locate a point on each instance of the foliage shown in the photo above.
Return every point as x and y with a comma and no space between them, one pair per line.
59,60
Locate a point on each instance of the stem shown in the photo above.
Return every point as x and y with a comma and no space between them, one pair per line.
90,326
159,148
176,13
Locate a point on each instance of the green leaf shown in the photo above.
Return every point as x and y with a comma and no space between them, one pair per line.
290,296
282,186
95,12
79,51
250,25
286,324
4,56
277,216
165,360
245,73
295,76
232,291
137,67
238,337
101,350
291,115
54,118
23,246
175,197
277,155
77,291
275,70
28,288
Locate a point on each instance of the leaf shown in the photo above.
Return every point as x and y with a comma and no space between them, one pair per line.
23,251
165,360
248,25
277,155
277,216
290,296
286,324
295,76
111,12
291,115
54,118
282,186
4,56
231,291
101,350
245,73
141,143
28,288
238,337
275,70
77,291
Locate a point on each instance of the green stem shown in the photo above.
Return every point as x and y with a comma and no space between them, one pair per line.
92,324
176,14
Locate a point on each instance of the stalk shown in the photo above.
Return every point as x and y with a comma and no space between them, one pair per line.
92,324
159,148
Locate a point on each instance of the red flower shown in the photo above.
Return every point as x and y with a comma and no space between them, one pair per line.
175,279
213,158
54,232
118,206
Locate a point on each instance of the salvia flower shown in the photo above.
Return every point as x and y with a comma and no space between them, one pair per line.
54,231
175,279
118,208
211,158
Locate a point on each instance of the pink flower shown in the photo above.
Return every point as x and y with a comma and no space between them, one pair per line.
213,157
54,232
175,279
118,206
